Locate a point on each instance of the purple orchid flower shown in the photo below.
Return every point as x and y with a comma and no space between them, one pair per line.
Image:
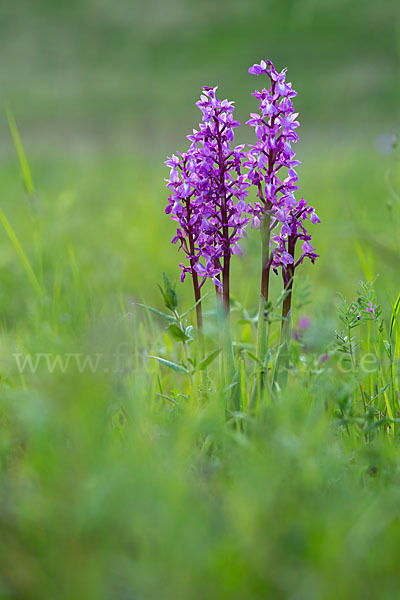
208,193
272,155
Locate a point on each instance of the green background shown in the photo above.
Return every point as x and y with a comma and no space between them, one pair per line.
103,91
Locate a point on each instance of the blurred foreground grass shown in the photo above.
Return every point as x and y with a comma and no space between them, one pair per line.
164,507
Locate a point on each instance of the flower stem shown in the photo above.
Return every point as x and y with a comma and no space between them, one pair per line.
226,282
262,338
287,303
288,277
354,367
197,296
196,287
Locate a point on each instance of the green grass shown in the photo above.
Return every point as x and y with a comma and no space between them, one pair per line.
135,481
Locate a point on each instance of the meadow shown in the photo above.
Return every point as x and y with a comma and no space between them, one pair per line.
123,476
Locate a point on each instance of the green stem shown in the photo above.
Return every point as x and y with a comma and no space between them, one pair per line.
186,352
228,360
354,367
286,330
185,348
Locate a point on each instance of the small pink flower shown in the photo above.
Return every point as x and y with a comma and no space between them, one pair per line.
304,323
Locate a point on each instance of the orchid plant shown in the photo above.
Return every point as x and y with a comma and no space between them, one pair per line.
281,217
209,185
208,197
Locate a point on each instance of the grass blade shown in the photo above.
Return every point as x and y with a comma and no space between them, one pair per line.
21,253
208,360
365,262
26,172
395,311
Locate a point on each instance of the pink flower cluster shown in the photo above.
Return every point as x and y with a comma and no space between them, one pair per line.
208,186
271,162
209,190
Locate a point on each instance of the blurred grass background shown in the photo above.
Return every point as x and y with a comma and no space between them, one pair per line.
103,92
172,504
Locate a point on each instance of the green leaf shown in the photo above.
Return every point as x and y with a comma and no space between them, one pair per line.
177,333
194,305
165,397
169,293
236,397
171,365
190,332
208,360
254,357
243,345
281,372
163,315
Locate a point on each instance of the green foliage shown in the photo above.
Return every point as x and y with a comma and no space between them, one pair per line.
171,365
169,294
